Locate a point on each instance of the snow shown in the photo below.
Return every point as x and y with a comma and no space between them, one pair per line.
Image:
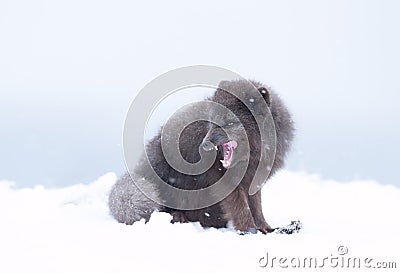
69,230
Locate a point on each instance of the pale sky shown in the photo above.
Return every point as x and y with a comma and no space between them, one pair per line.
69,70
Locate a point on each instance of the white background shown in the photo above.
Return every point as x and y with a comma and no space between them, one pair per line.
69,70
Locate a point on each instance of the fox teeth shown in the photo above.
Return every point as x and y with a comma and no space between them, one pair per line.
216,148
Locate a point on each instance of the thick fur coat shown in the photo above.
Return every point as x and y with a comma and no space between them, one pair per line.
128,204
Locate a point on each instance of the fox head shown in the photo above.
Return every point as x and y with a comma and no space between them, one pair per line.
228,133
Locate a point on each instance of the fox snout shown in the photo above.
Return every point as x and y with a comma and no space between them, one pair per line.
217,138
214,137
207,145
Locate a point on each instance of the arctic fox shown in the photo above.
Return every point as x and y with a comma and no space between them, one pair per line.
128,204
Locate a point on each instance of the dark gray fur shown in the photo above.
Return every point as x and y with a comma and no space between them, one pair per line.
128,204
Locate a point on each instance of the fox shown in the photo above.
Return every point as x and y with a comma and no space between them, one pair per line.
239,209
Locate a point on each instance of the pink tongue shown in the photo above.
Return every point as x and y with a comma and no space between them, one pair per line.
228,148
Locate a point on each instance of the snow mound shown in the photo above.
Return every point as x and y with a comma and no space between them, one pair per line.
70,230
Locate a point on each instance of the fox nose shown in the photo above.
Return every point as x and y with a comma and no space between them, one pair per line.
207,145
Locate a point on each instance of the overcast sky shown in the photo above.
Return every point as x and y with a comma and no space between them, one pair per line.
69,70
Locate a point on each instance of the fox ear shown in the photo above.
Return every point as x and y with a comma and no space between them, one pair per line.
265,93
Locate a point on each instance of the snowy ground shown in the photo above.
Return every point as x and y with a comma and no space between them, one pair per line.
70,230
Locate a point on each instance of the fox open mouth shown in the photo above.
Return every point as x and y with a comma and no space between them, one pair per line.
228,149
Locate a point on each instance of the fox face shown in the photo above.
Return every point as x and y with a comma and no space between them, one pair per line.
231,124
226,139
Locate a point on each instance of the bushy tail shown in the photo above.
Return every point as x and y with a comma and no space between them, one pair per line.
128,204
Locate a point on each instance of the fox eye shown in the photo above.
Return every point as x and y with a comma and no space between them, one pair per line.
231,123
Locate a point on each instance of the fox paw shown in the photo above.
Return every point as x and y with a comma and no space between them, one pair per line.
248,231
179,217
266,230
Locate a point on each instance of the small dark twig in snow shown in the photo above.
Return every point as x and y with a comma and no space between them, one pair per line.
294,227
